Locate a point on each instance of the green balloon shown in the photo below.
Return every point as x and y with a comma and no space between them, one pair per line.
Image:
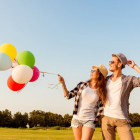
26,58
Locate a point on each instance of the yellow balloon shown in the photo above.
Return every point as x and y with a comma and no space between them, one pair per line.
9,49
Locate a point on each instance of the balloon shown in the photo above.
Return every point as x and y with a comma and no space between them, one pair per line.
26,58
5,62
14,64
22,74
35,74
13,85
9,49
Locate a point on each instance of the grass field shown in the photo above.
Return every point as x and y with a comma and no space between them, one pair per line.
29,134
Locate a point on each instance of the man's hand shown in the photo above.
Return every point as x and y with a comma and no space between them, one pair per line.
131,63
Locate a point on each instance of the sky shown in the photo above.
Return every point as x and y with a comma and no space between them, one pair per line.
67,37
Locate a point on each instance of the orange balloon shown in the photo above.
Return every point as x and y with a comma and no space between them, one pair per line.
13,85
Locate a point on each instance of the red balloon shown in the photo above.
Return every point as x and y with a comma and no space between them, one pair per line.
13,85
35,74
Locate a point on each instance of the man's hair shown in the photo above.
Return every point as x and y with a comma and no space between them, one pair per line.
120,62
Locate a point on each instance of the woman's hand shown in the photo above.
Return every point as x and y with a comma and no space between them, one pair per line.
61,79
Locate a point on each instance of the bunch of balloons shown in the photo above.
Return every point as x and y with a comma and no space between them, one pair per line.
22,68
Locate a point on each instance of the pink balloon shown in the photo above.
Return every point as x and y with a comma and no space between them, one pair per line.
35,74
14,64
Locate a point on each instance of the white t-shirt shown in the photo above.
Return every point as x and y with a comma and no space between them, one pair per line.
113,105
87,102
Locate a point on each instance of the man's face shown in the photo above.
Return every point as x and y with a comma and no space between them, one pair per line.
114,64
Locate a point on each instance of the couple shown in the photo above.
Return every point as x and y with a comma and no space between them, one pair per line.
103,95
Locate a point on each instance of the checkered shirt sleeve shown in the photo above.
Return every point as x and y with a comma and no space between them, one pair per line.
98,111
73,92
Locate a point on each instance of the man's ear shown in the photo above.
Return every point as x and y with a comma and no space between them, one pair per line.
120,65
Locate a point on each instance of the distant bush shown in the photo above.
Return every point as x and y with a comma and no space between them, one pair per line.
55,128
136,130
69,128
63,128
21,128
49,128
38,128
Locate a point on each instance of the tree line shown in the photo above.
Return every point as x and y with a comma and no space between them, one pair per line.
33,119
46,119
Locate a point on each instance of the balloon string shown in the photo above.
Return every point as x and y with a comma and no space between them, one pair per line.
50,84
22,88
54,86
12,63
46,73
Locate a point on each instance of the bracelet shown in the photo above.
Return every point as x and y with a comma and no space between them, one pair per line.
134,66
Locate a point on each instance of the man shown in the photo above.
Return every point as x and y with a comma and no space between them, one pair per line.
116,110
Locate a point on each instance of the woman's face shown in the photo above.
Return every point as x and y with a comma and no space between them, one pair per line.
94,74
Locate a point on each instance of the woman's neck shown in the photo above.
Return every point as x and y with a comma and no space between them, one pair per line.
92,84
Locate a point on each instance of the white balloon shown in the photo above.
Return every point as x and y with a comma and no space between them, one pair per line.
22,74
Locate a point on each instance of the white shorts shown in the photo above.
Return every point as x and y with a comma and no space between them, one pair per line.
75,123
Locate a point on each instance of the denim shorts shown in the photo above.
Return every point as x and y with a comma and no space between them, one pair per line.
75,123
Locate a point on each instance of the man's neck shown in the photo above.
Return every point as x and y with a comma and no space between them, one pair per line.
116,75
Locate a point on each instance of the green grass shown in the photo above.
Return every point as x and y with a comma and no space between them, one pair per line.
49,134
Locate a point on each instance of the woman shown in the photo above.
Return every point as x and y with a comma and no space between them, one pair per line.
90,96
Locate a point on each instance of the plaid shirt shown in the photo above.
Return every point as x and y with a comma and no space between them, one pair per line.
128,84
76,92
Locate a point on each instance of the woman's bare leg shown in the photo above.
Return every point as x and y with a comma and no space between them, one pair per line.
87,133
77,132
